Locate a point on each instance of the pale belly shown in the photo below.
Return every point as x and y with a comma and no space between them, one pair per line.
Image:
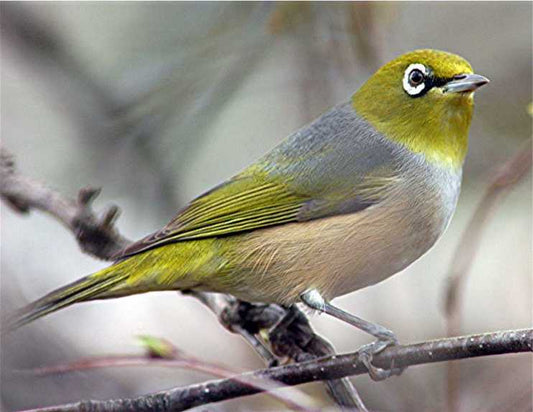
341,254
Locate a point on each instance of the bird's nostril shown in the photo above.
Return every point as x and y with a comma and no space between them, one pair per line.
459,76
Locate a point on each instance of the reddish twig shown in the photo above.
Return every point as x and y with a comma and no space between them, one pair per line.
295,400
507,175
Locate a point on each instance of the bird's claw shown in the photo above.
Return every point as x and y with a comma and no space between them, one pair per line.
366,354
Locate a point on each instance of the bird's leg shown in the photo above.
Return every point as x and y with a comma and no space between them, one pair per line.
314,300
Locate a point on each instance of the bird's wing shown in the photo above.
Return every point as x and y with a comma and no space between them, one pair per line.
241,204
311,175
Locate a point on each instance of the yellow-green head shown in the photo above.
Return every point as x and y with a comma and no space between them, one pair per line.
424,100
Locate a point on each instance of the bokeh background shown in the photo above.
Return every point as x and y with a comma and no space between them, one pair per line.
157,102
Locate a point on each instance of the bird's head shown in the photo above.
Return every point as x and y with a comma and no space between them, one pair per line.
424,100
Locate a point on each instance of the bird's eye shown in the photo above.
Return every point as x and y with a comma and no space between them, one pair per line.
414,79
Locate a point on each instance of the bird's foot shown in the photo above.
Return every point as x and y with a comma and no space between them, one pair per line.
367,352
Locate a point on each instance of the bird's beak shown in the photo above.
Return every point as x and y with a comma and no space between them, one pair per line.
465,83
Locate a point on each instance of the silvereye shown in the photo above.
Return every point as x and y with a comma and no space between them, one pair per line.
343,203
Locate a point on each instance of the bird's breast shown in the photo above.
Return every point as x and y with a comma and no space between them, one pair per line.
343,253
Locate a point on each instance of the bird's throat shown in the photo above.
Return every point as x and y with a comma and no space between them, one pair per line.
438,130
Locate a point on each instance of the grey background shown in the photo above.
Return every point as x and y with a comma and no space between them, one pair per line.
157,102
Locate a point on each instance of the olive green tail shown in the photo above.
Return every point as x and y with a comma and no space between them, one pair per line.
95,286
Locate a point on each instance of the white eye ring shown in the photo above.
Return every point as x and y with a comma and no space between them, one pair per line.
414,90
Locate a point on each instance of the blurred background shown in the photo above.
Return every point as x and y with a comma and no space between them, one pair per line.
158,102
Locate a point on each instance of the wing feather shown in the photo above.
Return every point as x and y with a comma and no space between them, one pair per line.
239,205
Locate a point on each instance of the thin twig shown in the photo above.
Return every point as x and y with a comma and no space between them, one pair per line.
334,367
506,176
295,400
96,236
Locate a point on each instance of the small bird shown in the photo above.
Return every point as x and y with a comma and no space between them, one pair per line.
345,202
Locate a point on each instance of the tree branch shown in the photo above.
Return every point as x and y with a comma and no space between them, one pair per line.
334,367
96,236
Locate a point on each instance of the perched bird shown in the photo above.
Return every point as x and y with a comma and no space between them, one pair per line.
343,203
